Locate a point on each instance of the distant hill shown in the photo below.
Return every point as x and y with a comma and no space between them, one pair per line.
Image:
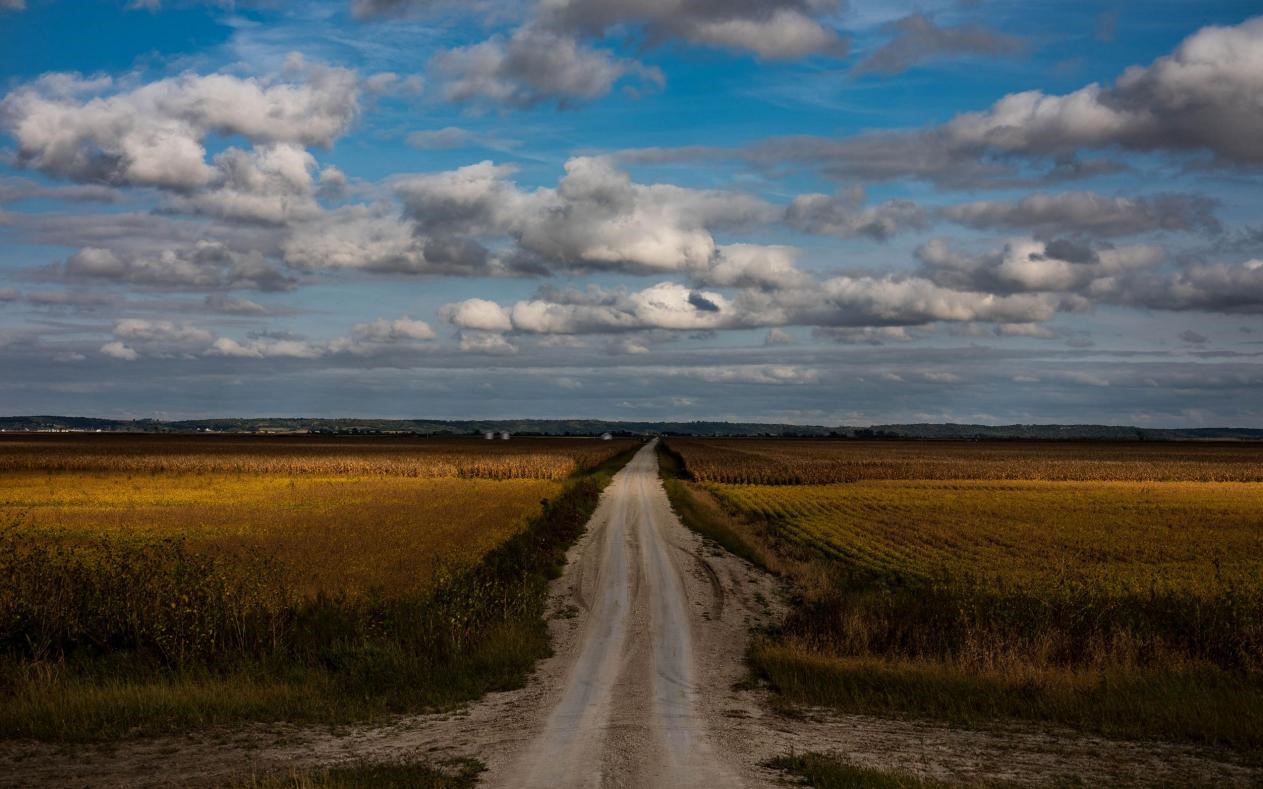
588,427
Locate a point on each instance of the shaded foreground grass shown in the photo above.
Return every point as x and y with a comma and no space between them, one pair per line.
461,774
134,653
823,771
1206,706
1179,663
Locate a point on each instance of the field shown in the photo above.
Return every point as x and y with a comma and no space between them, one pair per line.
1116,588
817,462
160,582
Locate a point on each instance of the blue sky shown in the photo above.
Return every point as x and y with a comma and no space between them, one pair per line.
795,210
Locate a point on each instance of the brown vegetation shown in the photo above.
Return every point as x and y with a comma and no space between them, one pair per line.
1128,607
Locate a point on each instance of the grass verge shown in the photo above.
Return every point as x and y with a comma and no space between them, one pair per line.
699,511
96,675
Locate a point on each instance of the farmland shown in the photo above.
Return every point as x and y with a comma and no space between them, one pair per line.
1108,587
156,582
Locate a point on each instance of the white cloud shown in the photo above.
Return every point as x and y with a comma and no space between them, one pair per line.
271,183
596,217
845,216
1087,212
388,331
204,265
118,350
478,314
771,29
136,331
265,349
153,135
1201,96
491,344
533,66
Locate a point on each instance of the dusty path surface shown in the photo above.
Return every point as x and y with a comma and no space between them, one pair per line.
650,627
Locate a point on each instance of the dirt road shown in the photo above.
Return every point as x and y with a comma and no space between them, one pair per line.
649,628
628,708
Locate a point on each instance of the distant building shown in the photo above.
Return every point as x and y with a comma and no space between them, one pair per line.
504,436
607,436
489,435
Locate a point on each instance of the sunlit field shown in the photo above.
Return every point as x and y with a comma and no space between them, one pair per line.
327,534
1134,536
161,582
1112,587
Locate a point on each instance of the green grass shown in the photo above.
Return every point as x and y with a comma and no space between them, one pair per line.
823,771
459,774
340,661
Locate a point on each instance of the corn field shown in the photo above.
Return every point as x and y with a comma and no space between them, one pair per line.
465,458
818,462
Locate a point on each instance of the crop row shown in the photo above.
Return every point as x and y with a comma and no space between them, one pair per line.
1138,536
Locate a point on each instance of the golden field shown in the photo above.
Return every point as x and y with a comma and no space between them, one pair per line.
160,582
1132,535
1112,587
331,534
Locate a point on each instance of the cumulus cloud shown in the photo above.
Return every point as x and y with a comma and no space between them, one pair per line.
533,66
753,266
490,344
837,301
265,349
1088,213
1209,287
917,38
272,183
388,331
206,265
136,330
1031,265
375,238
117,350
478,314
153,135
843,215
1203,96
595,218
770,29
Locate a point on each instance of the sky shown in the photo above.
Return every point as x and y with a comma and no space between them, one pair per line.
800,211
